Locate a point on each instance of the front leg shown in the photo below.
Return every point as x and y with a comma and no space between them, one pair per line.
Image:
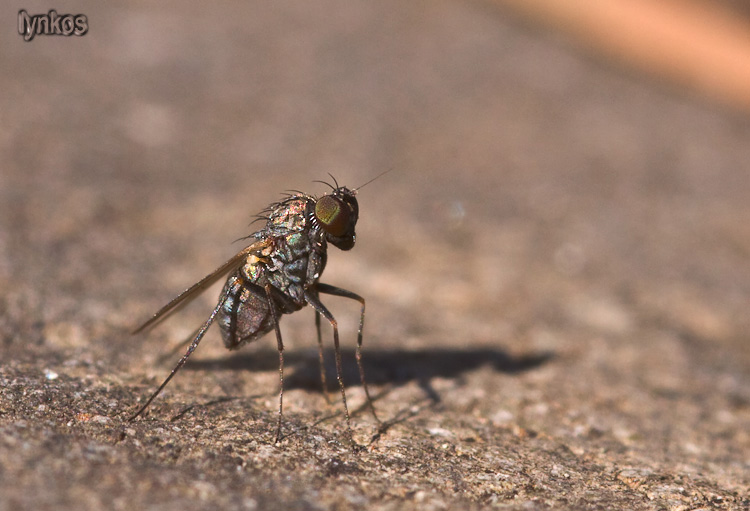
337,291
314,301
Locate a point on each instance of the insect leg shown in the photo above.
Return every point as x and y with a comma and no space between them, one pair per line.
314,301
194,344
280,345
337,291
322,360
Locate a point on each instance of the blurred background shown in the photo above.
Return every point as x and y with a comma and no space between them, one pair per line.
568,200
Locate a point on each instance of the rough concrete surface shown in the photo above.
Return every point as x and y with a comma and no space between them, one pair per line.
557,269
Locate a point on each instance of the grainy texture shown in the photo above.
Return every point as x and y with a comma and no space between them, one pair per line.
556,270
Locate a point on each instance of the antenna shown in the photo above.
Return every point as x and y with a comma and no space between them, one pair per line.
373,179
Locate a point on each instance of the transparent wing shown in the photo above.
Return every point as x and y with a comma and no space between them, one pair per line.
196,289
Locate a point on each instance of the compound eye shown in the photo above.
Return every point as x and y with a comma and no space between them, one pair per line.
333,215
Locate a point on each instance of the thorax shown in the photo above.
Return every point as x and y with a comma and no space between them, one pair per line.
297,255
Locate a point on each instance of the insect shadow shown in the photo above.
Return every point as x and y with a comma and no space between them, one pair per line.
394,367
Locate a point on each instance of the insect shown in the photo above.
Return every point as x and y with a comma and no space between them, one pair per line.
279,274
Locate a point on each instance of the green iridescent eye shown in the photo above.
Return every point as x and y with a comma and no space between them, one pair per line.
332,215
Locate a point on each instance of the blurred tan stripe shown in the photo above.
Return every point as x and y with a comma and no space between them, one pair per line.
698,44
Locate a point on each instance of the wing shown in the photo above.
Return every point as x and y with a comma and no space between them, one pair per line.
196,289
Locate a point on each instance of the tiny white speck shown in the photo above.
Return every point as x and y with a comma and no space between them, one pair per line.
440,432
50,375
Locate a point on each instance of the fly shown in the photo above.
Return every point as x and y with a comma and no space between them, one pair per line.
279,274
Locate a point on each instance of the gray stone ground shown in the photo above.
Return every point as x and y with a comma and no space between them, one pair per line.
557,269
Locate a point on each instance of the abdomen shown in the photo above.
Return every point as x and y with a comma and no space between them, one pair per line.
245,315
